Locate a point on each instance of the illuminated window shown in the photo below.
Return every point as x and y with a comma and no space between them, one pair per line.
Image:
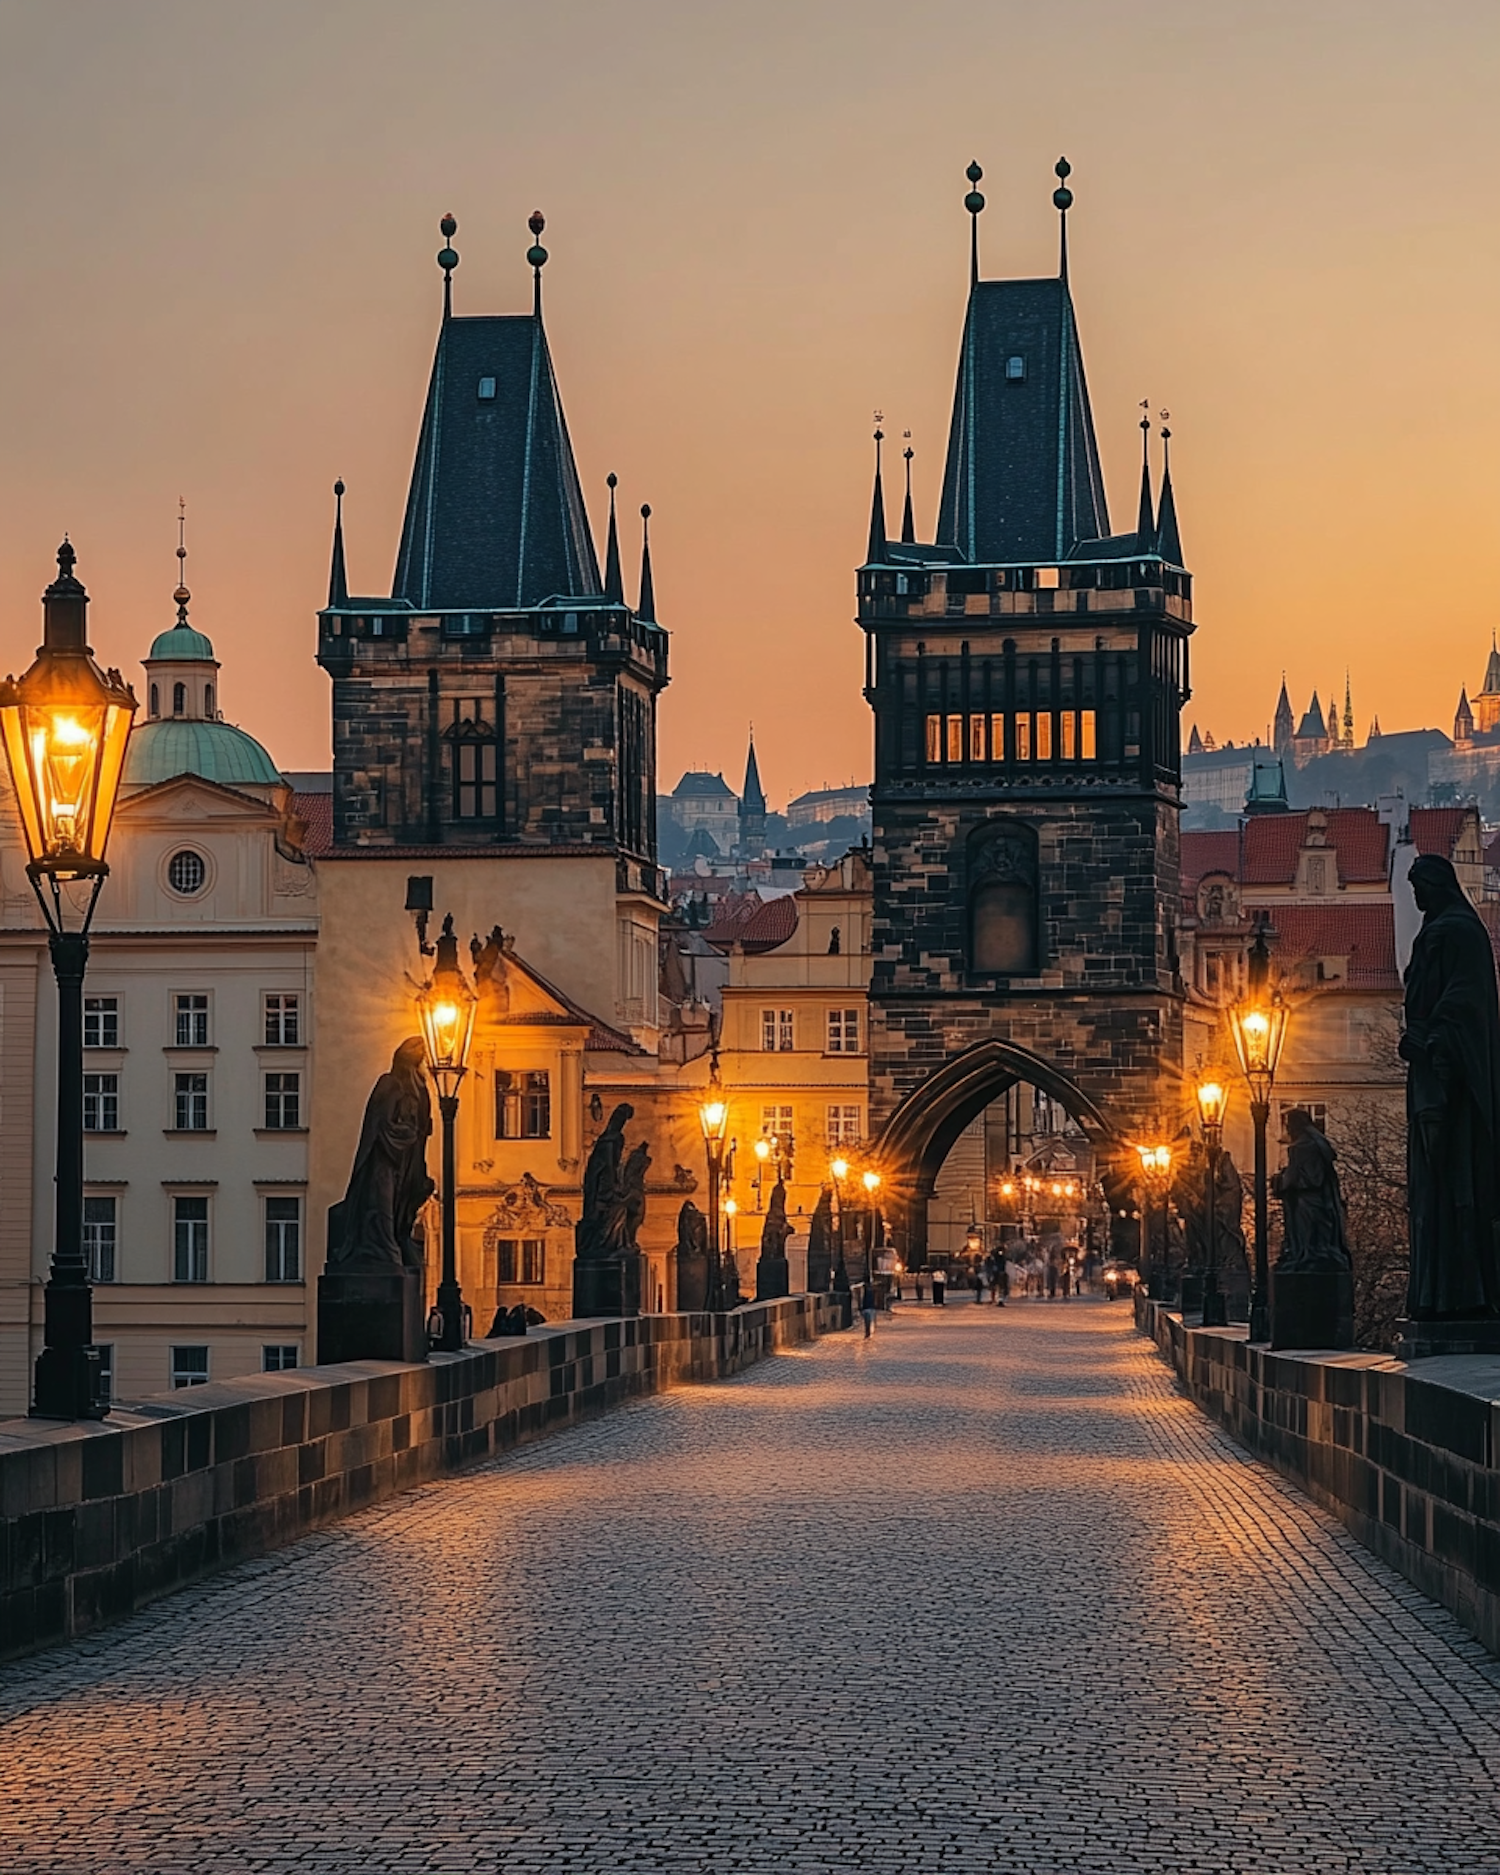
1044,735
955,738
845,1126
523,1103
1023,738
1086,735
934,738
997,738
976,738
1069,726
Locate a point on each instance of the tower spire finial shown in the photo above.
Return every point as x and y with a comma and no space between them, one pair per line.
1145,520
614,581
182,595
448,259
338,579
536,257
647,607
1062,201
974,202
1168,534
908,525
876,554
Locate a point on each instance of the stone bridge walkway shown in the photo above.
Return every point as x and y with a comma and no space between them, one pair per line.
983,1593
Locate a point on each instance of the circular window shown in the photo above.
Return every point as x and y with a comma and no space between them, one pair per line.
186,873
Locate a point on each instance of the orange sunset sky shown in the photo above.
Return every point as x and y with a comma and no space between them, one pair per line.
217,271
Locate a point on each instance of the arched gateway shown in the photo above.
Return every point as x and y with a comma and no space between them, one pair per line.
1027,673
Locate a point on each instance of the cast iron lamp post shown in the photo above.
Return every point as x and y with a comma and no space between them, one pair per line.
1258,1025
840,1169
1211,1103
65,726
713,1117
1156,1171
871,1182
446,1007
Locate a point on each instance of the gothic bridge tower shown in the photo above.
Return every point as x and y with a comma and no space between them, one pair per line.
1026,672
503,698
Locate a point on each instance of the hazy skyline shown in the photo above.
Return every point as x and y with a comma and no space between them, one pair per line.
217,280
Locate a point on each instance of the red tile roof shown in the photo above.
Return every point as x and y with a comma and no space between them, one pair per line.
1436,829
1204,852
757,924
1273,841
317,811
1365,934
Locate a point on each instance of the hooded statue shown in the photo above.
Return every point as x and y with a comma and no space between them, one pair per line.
1315,1237
372,1228
1451,1045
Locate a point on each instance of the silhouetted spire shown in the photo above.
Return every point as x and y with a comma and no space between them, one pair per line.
752,795
974,202
448,259
182,595
1062,201
1145,520
1463,719
1168,539
876,554
1286,722
338,578
908,524
614,580
536,256
647,607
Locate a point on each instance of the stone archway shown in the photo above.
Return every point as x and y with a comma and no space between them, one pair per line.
922,1131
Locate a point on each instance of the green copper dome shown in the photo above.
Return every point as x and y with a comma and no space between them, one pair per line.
182,644
217,751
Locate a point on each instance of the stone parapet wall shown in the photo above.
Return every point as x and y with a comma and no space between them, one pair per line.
1403,1454
98,1519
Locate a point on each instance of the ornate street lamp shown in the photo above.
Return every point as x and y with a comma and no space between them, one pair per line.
1212,1100
1258,1026
65,726
871,1181
839,1167
445,1006
1156,1173
713,1117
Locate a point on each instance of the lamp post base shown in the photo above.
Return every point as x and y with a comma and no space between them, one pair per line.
68,1384
1215,1307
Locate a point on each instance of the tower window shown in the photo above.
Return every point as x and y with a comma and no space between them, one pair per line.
208,700
1015,369
156,700
179,699
486,389
186,873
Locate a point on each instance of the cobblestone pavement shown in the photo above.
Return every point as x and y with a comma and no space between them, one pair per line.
982,1593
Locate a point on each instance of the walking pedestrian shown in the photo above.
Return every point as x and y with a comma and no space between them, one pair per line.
939,1283
917,1279
1002,1283
867,1309
978,1286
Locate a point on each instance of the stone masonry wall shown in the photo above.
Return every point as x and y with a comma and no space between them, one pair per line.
1106,1005
1405,1455
98,1519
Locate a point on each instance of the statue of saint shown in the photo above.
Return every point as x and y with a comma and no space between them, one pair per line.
602,1189
372,1227
775,1231
1451,1045
1312,1204
1190,1196
630,1209
820,1244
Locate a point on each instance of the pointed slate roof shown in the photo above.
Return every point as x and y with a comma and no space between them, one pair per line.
614,579
1312,722
1492,675
752,795
1023,481
1168,535
495,517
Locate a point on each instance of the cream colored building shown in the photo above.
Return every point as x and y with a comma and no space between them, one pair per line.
198,1060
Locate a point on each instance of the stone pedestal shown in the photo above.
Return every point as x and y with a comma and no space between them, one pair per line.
773,1277
692,1283
610,1287
370,1315
1312,1309
1417,1340
1191,1298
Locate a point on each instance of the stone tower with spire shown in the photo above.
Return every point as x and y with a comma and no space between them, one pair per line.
503,696
1026,671
752,807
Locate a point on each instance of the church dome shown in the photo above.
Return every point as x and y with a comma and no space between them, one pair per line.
170,746
183,644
